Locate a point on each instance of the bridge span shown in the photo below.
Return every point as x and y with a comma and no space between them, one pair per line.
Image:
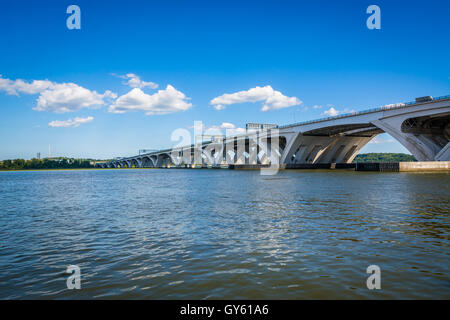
422,127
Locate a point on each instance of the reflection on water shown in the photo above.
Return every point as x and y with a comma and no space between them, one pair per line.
191,234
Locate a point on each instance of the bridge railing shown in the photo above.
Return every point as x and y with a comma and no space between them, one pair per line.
351,114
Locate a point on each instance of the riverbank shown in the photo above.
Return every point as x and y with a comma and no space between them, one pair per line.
420,166
59,169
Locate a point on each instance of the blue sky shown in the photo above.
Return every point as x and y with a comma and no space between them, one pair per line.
318,52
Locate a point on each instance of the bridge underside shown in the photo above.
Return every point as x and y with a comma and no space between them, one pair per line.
426,137
330,144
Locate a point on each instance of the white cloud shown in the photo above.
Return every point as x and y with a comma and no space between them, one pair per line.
56,97
70,123
14,87
227,125
330,112
235,131
67,97
273,100
165,101
134,81
229,128
377,140
226,128
317,107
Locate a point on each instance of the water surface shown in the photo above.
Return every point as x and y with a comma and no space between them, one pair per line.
213,234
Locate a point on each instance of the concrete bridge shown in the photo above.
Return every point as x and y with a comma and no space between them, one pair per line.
421,126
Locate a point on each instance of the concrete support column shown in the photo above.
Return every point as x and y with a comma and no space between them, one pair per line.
420,150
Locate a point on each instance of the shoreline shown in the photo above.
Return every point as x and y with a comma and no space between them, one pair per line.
65,169
441,167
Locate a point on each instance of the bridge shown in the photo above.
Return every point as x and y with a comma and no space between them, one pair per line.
421,126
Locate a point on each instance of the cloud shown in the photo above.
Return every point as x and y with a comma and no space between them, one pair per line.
377,140
273,100
14,87
317,107
70,123
135,81
227,125
230,129
165,101
330,112
56,97
67,97
226,128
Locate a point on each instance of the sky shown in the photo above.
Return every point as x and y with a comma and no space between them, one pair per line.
138,70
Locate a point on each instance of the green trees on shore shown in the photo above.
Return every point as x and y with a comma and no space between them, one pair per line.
384,157
52,163
71,163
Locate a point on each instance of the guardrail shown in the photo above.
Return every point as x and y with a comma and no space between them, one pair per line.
352,114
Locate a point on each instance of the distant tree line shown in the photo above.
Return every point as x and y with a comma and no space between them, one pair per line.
71,163
384,157
46,163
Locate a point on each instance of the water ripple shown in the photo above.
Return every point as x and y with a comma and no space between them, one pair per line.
214,234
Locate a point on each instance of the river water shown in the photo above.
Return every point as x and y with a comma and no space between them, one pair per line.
213,234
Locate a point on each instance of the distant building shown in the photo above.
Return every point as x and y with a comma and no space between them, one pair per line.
38,156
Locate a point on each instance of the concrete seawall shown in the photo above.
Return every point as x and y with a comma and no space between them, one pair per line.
424,166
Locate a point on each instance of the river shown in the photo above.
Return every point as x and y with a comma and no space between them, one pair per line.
224,234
